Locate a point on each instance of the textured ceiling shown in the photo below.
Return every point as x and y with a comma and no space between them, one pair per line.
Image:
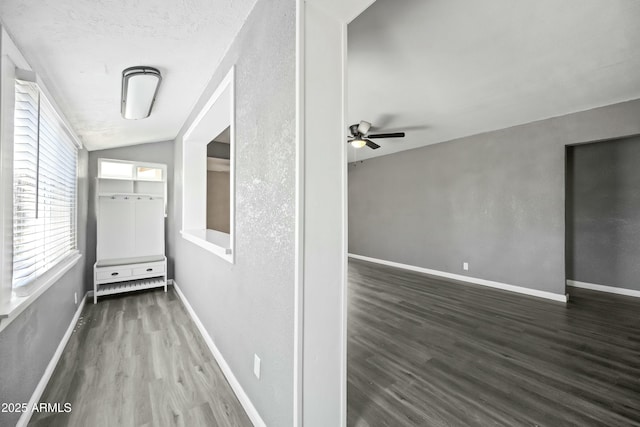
79,49
444,69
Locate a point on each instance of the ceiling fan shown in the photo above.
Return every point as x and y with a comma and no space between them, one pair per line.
360,137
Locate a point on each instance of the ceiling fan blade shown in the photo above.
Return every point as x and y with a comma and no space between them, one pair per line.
387,135
364,127
372,144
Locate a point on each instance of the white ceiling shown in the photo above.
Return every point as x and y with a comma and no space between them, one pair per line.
79,49
444,69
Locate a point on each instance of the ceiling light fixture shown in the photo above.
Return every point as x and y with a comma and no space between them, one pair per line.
139,88
358,143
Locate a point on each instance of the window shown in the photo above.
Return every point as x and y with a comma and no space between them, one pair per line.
44,187
149,174
115,170
129,170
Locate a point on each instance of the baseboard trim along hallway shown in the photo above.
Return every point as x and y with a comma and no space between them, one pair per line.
466,279
46,376
604,288
246,403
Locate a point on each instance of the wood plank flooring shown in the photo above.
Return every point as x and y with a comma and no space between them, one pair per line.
138,360
425,351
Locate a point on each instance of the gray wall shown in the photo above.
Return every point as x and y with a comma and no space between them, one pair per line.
218,150
248,307
603,213
28,343
218,201
157,152
495,200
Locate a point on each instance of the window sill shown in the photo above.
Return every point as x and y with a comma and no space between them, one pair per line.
17,304
216,242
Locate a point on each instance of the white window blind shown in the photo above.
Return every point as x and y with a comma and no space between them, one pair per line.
44,187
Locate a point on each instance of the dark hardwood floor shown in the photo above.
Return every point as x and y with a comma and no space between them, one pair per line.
138,360
425,351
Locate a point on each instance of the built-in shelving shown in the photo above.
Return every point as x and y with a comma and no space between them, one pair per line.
131,186
131,202
130,286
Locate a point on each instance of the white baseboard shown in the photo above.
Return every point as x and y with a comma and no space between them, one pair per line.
604,288
467,279
246,403
37,393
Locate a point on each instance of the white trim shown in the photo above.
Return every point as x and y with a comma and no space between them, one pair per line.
203,238
18,304
345,235
46,376
192,216
246,403
298,290
467,279
232,161
604,288
222,86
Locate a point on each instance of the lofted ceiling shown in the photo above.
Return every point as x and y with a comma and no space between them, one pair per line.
444,69
79,49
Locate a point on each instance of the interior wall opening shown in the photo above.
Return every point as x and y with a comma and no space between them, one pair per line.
218,183
209,174
602,221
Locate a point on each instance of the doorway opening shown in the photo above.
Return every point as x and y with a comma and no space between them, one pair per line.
602,221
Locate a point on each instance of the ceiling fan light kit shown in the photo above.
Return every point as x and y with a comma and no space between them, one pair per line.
358,143
360,136
139,89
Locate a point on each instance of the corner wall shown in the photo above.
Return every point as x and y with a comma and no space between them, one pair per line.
247,307
603,213
495,200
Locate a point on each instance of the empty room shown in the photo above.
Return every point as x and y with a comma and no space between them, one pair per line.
319,213
493,215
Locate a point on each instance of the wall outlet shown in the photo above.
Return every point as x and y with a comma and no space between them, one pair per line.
256,366
465,266
75,298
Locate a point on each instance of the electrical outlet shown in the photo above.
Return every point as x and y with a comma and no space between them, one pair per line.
75,298
256,366
465,266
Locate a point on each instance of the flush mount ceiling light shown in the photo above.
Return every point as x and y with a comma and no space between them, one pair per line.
139,89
